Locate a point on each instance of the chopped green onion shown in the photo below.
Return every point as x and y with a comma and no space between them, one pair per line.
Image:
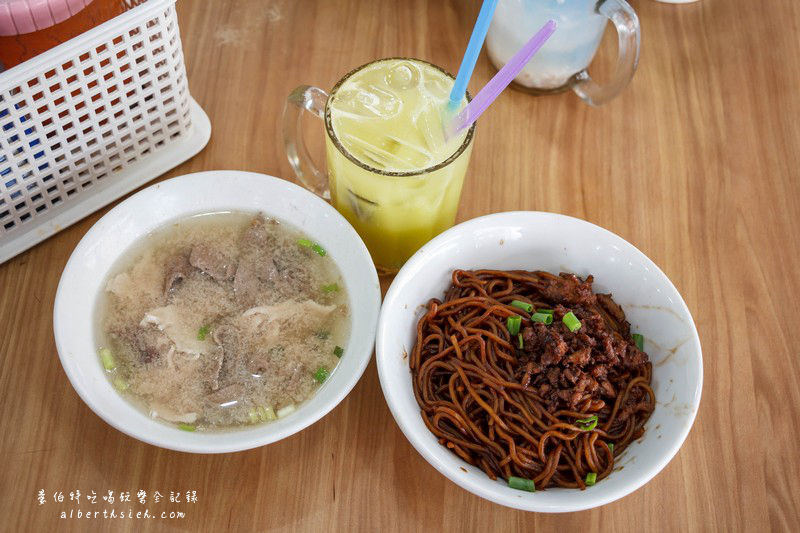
587,424
322,335
513,324
611,447
266,413
107,359
519,337
202,333
545,311
321,374
333,287
572,322
261,414
544,318
338,351
283,411
186,427
520,483
639,340
591,479
522,305
305,243
120,384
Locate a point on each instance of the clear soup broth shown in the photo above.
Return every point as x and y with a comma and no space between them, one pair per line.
222,320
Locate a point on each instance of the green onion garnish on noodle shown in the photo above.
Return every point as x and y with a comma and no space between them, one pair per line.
522,305
587,424
572,322
544,318
520,483
639,340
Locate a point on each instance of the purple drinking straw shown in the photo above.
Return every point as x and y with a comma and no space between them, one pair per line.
504,76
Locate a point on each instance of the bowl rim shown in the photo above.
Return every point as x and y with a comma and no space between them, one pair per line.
207,443
448,469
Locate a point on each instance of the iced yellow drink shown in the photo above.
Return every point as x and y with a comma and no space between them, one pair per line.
392,173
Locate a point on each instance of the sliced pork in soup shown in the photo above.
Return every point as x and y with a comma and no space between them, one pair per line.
222,320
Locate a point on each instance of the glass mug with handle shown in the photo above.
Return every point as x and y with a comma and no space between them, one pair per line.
391,171
562,62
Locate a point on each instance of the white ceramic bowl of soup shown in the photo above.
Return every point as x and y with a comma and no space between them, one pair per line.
554,243
87,270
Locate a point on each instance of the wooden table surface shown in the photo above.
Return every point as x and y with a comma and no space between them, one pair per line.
696,164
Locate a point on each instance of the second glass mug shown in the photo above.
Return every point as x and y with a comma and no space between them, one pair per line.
395,212
562,62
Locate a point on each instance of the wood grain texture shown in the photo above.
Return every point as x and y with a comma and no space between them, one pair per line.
696,164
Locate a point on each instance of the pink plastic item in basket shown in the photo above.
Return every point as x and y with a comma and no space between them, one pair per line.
25,16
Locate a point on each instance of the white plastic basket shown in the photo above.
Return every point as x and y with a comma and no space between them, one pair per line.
92,119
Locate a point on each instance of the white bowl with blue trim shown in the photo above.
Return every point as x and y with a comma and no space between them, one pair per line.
86,272
556,243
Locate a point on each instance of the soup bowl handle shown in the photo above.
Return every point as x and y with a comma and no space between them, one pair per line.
624,18
313,100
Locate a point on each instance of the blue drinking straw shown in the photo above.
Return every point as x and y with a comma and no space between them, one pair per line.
471,55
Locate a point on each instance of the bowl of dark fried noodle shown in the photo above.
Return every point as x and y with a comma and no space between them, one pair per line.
539,361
